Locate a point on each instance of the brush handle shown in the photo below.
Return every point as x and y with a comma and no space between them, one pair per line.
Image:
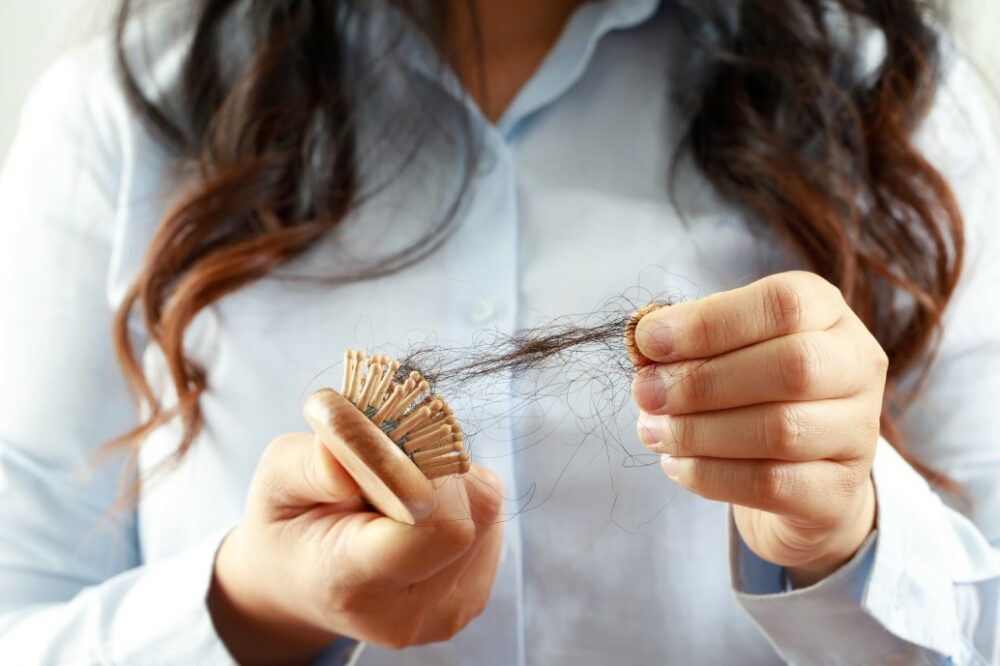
388,479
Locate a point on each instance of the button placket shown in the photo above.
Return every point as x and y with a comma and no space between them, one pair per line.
487,161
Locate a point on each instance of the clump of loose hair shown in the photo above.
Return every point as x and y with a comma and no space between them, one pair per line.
529,349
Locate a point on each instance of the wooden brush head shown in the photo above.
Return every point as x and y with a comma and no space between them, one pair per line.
392,437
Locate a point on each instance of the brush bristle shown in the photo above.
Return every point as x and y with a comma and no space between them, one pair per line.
419,423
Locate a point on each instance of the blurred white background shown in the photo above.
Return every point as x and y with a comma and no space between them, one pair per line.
33,32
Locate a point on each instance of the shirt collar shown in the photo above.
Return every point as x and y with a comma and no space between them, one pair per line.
572,53
565,63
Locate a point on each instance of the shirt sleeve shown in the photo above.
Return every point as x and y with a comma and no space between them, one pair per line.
925,588
73,589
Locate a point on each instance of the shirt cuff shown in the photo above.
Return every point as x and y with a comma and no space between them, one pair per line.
162,616
189,577
342,652
894,598
179,588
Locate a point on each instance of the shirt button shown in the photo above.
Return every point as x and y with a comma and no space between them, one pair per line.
487,161
483,311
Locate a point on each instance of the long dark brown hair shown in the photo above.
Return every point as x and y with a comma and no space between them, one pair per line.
787,120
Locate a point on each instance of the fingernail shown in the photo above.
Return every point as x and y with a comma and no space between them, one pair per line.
650,429
669,465
649,390
654,338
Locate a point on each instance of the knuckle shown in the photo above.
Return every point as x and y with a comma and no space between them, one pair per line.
801,364
280,447
782,303
711,328
485,501
270,468
274,451
850,476
411,630
704,333
491,479
353,594
871,429
278,444
696,388
772,484
783,430
880,360
268,481
479,607
455,536
449,622
402,633
683,433
311,477
458,620
392,642
830,291
349,601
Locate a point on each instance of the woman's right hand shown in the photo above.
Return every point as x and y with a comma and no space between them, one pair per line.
310,562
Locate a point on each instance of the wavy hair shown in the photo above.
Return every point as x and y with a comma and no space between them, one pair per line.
787,120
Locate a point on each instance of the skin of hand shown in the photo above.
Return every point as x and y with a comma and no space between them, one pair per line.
768,397
310,561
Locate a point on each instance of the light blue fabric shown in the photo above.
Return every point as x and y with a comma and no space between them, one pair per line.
604,560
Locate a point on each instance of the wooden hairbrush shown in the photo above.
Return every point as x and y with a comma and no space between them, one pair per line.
392,437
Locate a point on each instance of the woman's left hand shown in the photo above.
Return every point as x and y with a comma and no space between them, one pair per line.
769,397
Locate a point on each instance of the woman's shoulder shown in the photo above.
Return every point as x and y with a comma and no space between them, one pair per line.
80,99
959,127
84,162
77,99
959,137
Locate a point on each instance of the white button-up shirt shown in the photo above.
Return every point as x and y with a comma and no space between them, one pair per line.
604,560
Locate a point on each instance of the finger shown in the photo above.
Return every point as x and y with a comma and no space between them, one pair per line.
771,307
814,491
407,554
468,582
793,431
296,469
485,491
803,366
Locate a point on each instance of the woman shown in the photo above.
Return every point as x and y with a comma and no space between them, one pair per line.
449,167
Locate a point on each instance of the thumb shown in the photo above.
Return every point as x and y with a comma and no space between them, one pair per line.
298,470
